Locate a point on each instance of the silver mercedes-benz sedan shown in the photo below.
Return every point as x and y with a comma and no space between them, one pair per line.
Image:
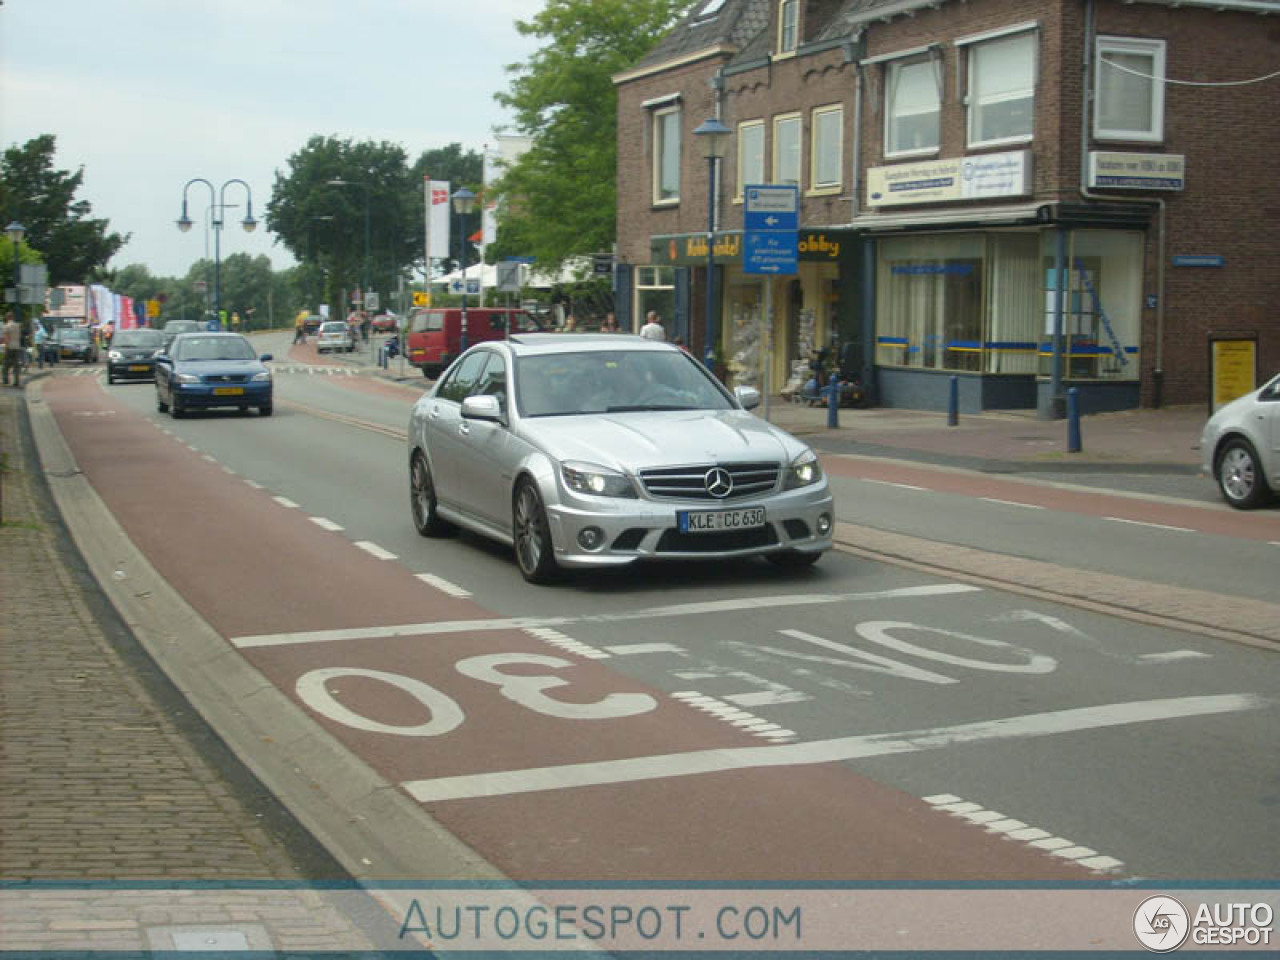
601,450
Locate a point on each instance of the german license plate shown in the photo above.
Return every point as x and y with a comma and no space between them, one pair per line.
138,368
714,521
228,391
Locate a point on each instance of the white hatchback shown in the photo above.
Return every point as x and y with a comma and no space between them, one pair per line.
1240,447
335,335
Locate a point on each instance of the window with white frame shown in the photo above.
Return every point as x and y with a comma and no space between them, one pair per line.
827,151
786,149
912,107
1001,100
666,155
1129,104
750,154
788,26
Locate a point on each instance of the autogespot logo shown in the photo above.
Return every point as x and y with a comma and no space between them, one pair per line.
1161,924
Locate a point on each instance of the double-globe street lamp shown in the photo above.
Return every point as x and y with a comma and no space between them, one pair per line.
364,290
217,201
15,232
715,137
464,201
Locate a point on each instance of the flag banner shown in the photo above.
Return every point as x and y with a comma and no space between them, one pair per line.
438,219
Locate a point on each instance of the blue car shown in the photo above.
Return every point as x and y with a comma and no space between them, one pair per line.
201,371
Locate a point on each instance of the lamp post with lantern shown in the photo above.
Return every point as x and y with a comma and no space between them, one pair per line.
715,138
464,201
15,232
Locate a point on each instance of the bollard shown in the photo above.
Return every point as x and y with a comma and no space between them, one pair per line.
833,401
953,403
1073,420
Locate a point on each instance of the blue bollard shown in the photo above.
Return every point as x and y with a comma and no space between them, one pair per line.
953,403
1073,421
833,400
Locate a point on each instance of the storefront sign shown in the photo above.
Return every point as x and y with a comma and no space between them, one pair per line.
966,178
822,246
1233,367
1137,171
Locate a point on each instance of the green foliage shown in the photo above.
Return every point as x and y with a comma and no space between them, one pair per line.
42,199
560,197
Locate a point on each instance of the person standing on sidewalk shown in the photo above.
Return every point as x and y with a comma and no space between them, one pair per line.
12,340
653,329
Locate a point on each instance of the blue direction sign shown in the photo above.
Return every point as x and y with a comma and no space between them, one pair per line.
771,218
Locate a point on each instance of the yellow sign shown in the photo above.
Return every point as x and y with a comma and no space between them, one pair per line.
153,309
421,299
1234,369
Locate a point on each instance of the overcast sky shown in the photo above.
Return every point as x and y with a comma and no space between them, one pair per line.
146,94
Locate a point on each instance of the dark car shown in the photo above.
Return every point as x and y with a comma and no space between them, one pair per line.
131,355
76,343
175,327
205,370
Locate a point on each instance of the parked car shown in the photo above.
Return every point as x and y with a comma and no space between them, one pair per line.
434,337
335,335
600,450
1240,447
131,355
175,327
385,322
206,370
76,343
312,323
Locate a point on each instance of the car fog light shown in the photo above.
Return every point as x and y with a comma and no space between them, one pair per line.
824,524
590,538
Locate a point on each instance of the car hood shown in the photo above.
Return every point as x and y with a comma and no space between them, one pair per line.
220,368
638,441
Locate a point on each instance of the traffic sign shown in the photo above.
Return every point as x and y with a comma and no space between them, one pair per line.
771,218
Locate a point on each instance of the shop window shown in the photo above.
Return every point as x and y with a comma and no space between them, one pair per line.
666,155
788,26
912,107
929,302
750,155
655,290
1130,95
1001,92
1102,319
828,147
786,149
1012,339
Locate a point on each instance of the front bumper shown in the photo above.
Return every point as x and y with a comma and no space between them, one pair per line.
131,369
192,396
646,529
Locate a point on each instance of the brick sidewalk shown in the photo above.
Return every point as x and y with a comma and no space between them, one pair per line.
106,775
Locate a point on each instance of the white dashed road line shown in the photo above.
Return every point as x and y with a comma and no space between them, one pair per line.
1012,503
285,502
327,524
374,549
1145,523
756,726
443,585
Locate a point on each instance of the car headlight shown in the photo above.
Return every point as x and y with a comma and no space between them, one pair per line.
259,377
185,378
596,481
804,471
114,355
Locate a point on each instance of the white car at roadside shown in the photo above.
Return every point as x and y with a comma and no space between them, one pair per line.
1240,447
334,335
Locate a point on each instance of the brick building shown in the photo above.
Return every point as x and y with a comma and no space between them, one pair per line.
1025,195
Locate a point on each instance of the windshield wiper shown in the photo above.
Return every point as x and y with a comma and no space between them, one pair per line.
632,408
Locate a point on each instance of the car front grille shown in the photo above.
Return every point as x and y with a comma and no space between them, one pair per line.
690,483
225,378
673,541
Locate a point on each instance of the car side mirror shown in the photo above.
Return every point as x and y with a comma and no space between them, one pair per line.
161,357
482,406
749,397
265,357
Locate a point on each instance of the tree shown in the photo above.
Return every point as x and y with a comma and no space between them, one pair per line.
560,197
42,199
324,224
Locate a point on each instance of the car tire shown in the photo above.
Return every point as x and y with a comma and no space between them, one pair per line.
535,552
175,410
793,559
161,406
110,378
422,500
1240,477
265,410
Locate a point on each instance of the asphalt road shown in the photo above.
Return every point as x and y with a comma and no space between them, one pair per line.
858,721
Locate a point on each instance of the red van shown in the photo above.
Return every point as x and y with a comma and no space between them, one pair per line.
434,334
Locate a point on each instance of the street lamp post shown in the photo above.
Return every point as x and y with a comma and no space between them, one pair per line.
464,202
15,232
364,291
716,138
217,201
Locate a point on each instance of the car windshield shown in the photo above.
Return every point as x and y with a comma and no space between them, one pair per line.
138,338
614,381
75,333
333,326
213,348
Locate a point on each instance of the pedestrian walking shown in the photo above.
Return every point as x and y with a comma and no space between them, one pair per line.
41,341
11,337
653,329
300,327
